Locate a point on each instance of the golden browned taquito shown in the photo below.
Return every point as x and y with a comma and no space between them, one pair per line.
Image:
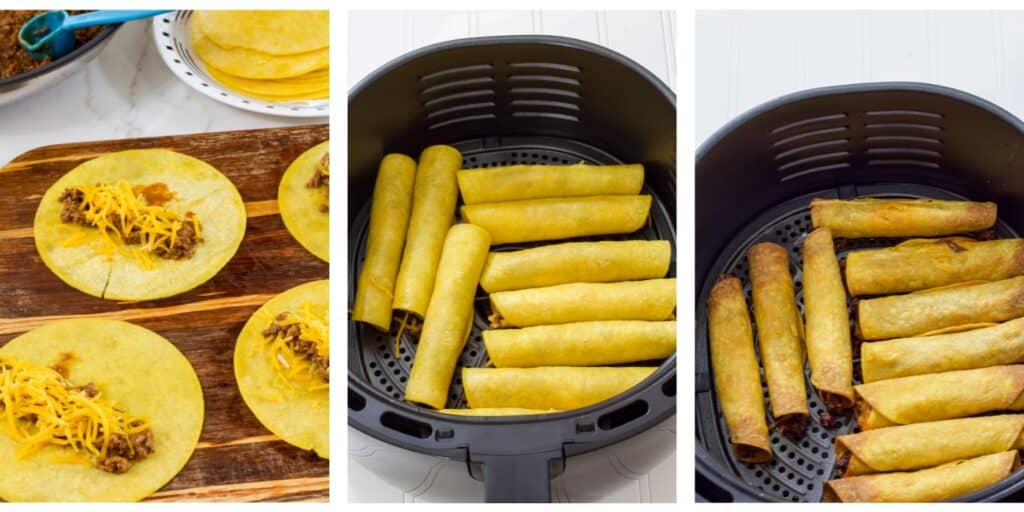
518,182
923,445
654,299
576,262
827,323
548,387
933,484
389,220
450,315
433,210
948,309
940,396
737,376
780,334
581,343
920,264
561,217
978,348
872,217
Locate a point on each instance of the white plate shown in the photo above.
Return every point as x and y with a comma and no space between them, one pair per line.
170,31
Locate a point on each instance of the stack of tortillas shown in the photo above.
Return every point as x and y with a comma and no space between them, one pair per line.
271,55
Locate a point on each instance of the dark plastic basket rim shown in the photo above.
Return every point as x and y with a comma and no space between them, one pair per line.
710,468
65,60
665,372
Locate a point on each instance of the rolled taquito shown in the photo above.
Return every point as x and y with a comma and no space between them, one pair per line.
827,323
873,217
940,396
920,264
450,315
500,411
549,387
518,182
736,373
433,210
556,218
923,445
654,299
939,483
389,220
997,345
581,343
576,262
957,307
780,336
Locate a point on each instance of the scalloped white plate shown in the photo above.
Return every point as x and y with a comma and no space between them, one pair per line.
170,31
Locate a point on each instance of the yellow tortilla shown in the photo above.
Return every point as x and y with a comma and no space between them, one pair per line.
389,220
300,205
576,262
296,414
273,32
943,482
873,217
449,317
922,445
92,265
549,387
654,299
297,86
827,322
556,218
138,370
503,411
246,63
581,344
518,182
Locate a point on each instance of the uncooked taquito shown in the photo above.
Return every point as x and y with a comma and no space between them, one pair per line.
927,263
654,299
576,262
548,387
497,411
923,445
736,373
978,348
873,217
780,336
556,218
581,343
518,182
389,220
938,310
433,211
939,483
450,315
827,323
939,396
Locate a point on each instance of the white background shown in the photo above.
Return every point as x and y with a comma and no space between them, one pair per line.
642,469
744,58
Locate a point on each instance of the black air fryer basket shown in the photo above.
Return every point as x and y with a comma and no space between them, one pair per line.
501,101
755,179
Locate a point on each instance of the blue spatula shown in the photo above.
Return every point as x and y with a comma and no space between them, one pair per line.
53,32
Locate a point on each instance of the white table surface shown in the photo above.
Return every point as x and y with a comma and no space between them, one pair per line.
642,469
744,58
126,92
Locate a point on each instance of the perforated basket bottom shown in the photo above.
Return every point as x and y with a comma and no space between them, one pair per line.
798,469
374,359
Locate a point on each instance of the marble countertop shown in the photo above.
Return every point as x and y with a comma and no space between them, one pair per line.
126,92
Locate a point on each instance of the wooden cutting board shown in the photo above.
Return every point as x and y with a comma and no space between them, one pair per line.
237,458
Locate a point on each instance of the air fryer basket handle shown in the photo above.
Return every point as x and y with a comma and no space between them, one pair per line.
518,478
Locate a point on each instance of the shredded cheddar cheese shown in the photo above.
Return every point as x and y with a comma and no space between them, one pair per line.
39,407
122,214
291,367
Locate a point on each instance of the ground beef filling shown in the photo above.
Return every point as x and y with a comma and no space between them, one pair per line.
14,60
842,463
303,348
124,451
322,179
184,245
793,426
